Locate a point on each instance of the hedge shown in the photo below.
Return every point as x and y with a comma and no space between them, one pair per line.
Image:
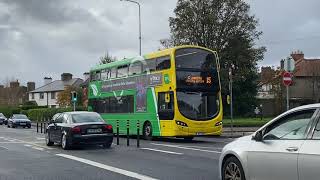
8,111
47,113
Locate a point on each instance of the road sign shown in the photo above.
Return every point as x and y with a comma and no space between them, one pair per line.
289,64
287,79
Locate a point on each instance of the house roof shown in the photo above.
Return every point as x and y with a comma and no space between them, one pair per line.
307,67
58,85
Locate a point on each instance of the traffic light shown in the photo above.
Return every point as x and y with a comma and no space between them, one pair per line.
74,96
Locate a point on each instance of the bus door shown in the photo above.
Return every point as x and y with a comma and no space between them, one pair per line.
165,105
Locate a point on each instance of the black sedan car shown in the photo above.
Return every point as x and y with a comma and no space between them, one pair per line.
2,119
19,120
77,128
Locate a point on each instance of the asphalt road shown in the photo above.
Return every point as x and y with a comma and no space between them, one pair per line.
24,155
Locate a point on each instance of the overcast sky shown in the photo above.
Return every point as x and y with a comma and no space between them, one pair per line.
41,38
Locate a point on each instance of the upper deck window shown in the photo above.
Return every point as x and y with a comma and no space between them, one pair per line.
122,71
163,63
194,58
135,68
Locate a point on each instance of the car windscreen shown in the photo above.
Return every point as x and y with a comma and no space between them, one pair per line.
86,117
19,116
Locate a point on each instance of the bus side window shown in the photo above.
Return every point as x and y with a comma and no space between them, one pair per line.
104,74
165,105
122,71
135,68
113,73
150,65
163,63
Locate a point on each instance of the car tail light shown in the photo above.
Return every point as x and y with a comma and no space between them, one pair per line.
108,127
76,130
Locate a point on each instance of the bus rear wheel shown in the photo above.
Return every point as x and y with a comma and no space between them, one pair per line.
147,131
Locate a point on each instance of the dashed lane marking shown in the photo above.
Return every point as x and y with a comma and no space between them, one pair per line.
163,151
107,167
40,138
4,147
187,148
37,148
27,145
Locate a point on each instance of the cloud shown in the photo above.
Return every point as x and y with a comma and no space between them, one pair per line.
41,38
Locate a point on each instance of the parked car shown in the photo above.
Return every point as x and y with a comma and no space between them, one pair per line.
78,128
2,119
19,120
285,148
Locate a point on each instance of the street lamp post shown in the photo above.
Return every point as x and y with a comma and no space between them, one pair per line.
139,23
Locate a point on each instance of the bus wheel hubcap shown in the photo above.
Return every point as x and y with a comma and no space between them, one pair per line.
148,130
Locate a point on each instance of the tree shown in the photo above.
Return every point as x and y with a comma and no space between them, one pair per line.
227,27
64,97
107,58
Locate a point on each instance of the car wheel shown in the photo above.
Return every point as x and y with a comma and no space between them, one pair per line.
12,125
65,142
23,126
48,141
147,131
8,125
232,169
29,126
0,123
107,145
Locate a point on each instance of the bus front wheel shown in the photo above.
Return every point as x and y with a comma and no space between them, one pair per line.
147,131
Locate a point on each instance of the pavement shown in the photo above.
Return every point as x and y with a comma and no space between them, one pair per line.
24,155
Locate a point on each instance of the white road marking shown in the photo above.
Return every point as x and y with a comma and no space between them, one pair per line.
37,148
158,150
4,147
203,147
188,148
27,145
31,143
1,137
11,140
106,167
40,138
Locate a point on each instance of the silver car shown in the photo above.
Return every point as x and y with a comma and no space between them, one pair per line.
288,147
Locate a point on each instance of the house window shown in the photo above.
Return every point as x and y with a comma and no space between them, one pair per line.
42,95
32,95
53,95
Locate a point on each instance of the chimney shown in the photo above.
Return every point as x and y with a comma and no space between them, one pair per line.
14,84
47,80
66,76
86,76
282,64
31,86
297,55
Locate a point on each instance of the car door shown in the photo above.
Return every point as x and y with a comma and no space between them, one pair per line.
309,155
276,156
56,131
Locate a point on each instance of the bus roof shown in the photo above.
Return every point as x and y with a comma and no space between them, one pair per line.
146,56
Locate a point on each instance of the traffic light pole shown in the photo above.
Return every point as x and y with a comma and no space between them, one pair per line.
74,106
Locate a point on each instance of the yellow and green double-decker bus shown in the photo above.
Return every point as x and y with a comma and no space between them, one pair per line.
173,93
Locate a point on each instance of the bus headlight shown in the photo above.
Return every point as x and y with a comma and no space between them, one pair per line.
180,123
218,123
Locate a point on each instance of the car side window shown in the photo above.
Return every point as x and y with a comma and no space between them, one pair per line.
291,126
65,118
59,119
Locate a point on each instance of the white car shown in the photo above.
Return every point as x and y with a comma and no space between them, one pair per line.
286,148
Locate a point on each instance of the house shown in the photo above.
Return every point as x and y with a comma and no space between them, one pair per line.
47,94
306,80
305,88
14,94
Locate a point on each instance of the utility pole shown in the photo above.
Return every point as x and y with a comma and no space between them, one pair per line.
231,96
137,3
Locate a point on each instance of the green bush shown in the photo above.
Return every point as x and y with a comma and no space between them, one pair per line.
8,111
27,107
45,113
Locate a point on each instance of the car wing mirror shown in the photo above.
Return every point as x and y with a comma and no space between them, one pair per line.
258,136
